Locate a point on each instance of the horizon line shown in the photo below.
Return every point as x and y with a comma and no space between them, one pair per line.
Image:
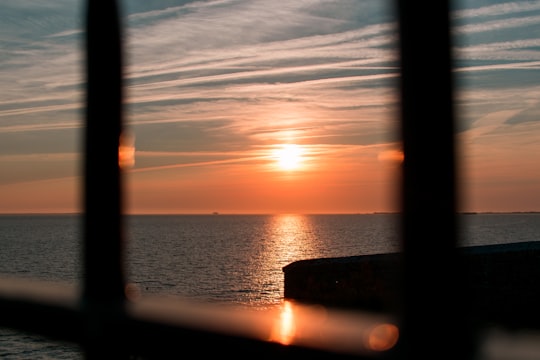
215,213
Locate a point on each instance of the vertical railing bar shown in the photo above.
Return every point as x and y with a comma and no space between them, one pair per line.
103,288
434,316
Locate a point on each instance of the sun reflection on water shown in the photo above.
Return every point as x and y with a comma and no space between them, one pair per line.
285,239
292,238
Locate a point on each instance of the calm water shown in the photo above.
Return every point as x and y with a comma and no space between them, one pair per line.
214,258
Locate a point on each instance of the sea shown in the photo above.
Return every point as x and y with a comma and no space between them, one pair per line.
217,258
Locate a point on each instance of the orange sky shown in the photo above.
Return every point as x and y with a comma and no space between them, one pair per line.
321,183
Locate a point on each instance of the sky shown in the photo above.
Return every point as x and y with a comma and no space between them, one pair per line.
217,91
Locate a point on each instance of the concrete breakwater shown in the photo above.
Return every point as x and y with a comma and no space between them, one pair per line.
503,282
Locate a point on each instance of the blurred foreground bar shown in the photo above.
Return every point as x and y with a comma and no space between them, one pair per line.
158,327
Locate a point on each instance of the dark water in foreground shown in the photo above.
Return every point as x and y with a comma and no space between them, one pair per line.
234,259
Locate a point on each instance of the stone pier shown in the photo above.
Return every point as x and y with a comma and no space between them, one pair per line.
504,282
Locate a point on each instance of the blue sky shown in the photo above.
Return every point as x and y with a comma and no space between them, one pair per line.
214,88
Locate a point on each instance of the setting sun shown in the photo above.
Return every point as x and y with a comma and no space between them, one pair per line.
289,156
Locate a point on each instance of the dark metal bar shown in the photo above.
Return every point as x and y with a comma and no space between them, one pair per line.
434,310
103,288
104,278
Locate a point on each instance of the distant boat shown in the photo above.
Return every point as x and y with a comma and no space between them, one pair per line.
215,213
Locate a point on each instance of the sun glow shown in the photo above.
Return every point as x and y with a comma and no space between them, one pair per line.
289,156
